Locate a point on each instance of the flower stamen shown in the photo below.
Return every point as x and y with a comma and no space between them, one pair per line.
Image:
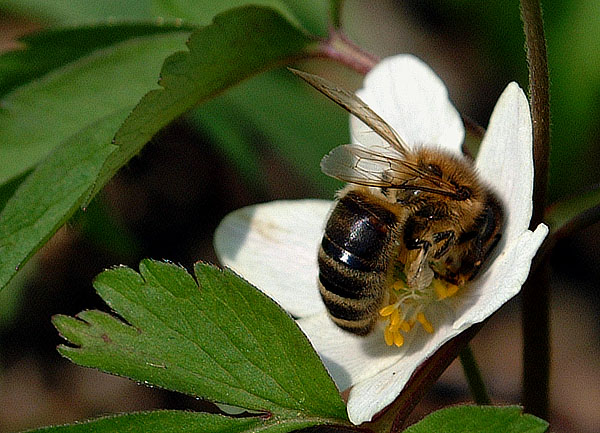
398,339
405,326
427,326
395,318
386,311
407,306
388,335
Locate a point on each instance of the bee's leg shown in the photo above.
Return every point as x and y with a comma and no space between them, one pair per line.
472,264
442,242
480,243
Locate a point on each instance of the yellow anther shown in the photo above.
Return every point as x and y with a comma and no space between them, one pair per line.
388,335
386,311
428,327
405,326
393,327
407,305
451,289
398,339
395,318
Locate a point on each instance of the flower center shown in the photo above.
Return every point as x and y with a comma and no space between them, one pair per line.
407,307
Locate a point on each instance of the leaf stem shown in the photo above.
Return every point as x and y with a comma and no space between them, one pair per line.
473,376
338,47
536,341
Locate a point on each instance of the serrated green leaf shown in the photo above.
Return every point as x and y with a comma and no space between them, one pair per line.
36,117
165,422
480,419
218,338
47,50
240,43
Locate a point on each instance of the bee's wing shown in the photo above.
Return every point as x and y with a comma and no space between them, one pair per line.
357,164
378,167
357,107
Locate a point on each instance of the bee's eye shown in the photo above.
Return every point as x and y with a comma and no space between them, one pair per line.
434,169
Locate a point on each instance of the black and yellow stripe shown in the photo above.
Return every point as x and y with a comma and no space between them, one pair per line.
358,244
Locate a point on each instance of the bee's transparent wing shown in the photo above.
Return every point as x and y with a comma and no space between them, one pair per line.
354,105
376,167
356,164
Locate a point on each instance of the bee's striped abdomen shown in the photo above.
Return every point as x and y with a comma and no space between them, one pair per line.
355,252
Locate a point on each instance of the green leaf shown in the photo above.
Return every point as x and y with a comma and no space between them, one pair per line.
240,43
165,422
67,119
218,339
52,193
71,12
8,189
35,118
480,419
47,50
202,14
311,15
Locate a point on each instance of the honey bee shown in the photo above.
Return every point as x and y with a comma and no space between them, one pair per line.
418,208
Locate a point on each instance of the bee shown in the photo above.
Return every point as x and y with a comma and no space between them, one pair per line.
421,209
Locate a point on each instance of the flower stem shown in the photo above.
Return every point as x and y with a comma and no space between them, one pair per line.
338,47
473,376
536,341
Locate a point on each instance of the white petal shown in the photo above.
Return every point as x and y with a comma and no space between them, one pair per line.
408,95
376,371
505,159
372,395
502,280
274,246
348,358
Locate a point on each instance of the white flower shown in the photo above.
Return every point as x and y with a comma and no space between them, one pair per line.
274,245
